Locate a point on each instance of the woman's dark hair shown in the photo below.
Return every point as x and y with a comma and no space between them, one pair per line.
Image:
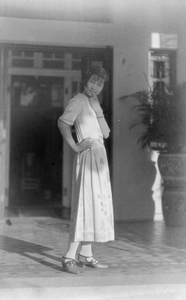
95,70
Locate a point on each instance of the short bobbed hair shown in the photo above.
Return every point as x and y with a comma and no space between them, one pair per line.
95,70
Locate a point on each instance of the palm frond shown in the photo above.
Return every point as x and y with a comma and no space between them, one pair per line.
163,116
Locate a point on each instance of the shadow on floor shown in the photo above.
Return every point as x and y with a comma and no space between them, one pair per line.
28,250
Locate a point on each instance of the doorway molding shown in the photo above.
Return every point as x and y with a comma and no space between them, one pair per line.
7,70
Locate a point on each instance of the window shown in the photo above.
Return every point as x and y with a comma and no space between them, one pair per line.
162,61
162,73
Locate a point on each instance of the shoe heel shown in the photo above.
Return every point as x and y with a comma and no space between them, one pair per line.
80,264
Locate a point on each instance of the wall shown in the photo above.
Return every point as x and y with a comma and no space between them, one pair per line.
134,21
129,33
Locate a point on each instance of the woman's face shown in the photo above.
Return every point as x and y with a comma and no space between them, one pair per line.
94,85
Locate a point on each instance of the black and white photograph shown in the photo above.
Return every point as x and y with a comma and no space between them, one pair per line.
93,150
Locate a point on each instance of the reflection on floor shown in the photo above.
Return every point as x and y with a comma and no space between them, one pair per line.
32,247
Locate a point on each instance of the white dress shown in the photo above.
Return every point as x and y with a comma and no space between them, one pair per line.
92,207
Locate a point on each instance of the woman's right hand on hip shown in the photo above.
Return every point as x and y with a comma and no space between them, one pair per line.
85,144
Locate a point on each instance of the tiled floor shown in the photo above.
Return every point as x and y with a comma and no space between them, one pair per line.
32,247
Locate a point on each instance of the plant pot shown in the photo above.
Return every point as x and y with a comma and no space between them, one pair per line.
172,167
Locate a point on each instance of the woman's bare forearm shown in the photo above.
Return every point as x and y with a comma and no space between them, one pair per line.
67,135
104,127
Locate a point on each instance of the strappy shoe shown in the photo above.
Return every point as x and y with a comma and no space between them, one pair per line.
90,261
69,265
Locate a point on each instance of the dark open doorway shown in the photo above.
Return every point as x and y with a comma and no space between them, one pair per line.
38,97
35,156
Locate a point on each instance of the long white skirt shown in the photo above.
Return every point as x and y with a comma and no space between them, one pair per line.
92,207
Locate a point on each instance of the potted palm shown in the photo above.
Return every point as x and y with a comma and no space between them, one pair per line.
163,115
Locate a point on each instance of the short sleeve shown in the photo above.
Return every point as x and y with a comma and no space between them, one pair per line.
72,110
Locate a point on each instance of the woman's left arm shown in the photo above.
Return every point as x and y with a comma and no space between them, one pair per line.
100,116
104,126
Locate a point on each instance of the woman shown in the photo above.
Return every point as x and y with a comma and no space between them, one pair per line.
92,209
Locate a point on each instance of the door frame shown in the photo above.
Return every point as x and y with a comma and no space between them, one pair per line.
108,64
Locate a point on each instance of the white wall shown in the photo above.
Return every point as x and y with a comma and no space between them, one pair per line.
134,21
129,34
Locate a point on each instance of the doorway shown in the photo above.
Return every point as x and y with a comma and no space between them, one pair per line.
36,147
42,81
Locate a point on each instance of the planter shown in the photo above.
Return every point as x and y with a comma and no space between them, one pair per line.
172,168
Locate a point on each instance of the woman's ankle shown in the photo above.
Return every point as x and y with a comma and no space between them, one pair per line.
86,250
